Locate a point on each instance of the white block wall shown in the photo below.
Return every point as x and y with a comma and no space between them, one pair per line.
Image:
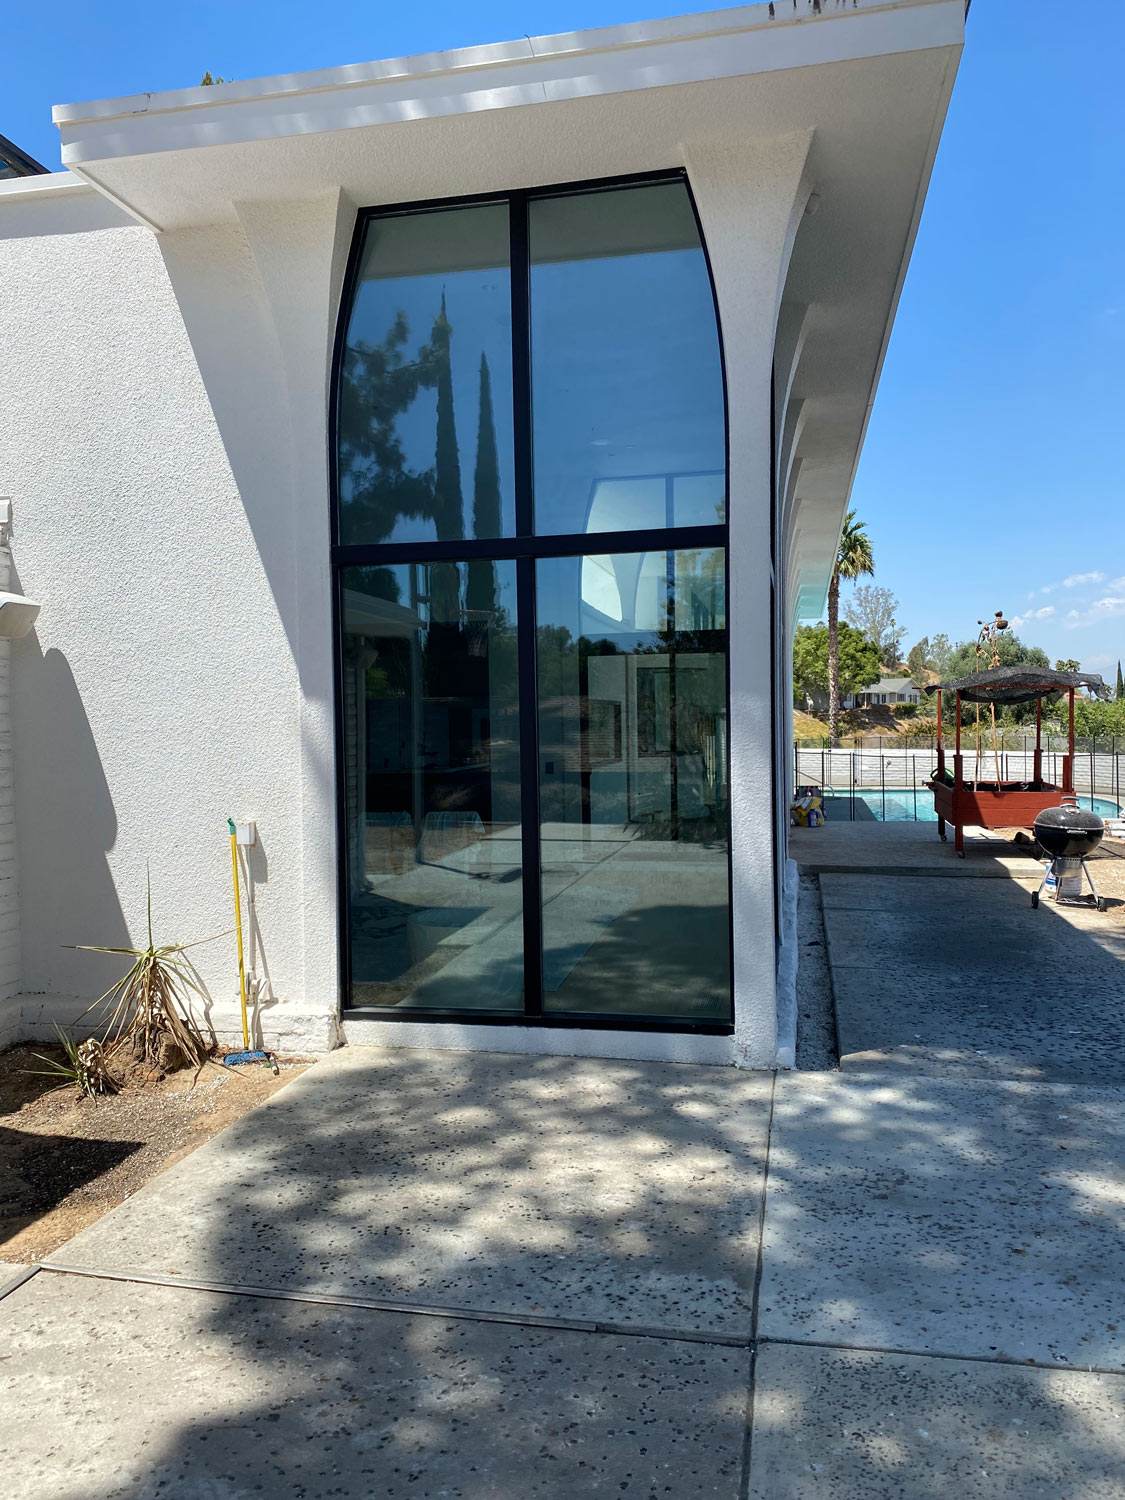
9,869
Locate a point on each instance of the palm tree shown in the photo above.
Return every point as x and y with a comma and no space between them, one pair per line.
853,560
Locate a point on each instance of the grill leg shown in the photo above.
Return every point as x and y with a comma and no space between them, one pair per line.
1099,901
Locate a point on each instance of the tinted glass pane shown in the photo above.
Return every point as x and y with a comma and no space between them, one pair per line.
627,392
425,414
431,734
633,784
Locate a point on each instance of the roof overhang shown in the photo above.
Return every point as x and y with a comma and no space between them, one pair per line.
870,79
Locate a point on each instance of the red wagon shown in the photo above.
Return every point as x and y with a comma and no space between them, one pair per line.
1003,803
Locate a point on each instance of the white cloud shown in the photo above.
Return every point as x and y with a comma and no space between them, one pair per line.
1109,608
1044,613
1081,580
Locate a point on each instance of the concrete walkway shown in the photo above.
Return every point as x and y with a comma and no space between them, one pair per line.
438,1274
906,849
962,978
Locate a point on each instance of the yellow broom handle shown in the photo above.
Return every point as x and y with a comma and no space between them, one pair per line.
238,927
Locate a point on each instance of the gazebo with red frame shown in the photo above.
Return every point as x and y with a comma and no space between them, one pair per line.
1002,803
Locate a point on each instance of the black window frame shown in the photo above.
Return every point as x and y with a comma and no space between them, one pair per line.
525,548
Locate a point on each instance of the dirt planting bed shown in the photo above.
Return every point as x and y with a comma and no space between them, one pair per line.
66,1160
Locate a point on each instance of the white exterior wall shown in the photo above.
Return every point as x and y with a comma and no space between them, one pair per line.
166,449
9,868
750,199
159,692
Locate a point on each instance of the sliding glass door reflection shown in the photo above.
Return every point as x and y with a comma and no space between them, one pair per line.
634,795
432,787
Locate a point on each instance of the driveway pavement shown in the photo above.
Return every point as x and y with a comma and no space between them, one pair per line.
484,1277
962,978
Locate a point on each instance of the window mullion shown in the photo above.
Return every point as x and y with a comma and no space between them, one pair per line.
520,274
530,842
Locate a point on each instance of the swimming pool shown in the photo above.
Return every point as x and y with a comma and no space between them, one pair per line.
907,805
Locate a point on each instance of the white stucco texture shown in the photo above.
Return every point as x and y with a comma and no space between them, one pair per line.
158,693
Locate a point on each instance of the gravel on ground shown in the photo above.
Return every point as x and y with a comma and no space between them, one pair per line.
65,1160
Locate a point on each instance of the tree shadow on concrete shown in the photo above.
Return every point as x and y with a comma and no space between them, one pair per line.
626,1193
980,1222
976,1222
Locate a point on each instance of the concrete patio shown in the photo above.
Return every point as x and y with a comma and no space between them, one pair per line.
487,1277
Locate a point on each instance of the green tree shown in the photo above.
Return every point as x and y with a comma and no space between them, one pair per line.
1092,716
1012,653
873,611
854,559
941,654
378,384
206,81
919,663
857,664
1120,693
1067,664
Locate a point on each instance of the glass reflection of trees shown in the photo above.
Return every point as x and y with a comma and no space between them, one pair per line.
378,385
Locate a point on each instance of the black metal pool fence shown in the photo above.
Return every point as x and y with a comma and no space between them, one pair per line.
888,780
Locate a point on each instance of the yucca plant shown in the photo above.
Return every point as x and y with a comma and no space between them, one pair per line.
85,1065
150,1005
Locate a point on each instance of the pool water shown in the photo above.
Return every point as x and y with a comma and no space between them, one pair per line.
904,805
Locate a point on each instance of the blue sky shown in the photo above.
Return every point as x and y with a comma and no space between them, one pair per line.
992,475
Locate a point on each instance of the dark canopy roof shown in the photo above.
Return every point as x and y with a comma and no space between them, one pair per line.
17,163
1019,684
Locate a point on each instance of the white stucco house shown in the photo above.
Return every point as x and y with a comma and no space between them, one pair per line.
887,691
428,461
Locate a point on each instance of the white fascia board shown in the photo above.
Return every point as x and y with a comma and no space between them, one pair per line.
42,186
575,65
51,203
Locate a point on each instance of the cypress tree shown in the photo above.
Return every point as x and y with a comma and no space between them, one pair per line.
448,505
481,590
1120,694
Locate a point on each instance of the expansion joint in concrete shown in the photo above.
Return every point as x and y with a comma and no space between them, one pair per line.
16,1280
973,1359
415,1309
748,1434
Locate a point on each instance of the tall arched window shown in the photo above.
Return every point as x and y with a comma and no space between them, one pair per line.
530,511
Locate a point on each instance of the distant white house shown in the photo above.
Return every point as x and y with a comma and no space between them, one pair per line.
888,690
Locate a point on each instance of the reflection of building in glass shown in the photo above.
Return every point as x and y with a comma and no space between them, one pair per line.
615,698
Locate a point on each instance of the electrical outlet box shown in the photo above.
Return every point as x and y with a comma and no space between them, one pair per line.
246,834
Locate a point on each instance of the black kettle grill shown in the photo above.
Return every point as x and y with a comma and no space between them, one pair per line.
1067,834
